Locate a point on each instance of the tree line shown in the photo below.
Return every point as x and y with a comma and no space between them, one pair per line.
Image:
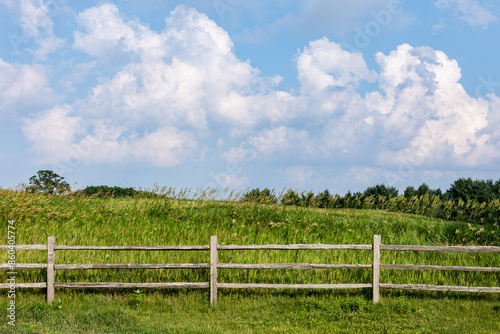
475,201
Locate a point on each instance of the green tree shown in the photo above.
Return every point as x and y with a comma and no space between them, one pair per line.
48,182
410,191
381,190
468,189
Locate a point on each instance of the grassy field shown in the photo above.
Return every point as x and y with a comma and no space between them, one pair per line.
162,221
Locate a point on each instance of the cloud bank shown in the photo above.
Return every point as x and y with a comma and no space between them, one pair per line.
183,91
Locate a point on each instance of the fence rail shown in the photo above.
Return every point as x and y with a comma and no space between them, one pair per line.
214,265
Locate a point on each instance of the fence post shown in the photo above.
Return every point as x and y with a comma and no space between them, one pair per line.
376,267
51,242
213,270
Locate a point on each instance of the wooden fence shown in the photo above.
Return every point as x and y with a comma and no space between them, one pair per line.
214,264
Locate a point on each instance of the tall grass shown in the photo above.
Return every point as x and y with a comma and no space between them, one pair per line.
165,220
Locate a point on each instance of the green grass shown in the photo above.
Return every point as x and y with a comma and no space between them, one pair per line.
161,221
258,312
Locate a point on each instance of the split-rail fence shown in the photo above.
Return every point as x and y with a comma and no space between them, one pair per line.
214,265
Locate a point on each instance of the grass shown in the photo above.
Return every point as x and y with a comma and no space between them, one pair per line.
258,312
79,220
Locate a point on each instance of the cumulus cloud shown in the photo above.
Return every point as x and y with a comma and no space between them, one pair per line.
423,105
175,83
322,66
183,88
471,11
23,87
52,133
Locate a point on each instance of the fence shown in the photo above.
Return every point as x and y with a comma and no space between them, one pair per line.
213,265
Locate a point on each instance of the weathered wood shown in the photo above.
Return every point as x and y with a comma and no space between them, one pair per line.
294,247
439,287
138,248
132,266
19,266
376,268
51,242
291,286
291,266
430,267
24,285
213,270
25,247
110,285
445,249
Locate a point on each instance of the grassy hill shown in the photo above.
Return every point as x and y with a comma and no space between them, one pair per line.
79,220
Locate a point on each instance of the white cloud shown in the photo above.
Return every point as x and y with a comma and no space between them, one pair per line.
161,102
425,108
471,11
34,18
322,65
184,88
23,87
52,133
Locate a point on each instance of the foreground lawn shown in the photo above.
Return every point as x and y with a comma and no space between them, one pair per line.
255,312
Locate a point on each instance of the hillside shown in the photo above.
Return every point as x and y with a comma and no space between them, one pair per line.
78,220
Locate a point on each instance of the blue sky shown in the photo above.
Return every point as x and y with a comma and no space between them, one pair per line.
238,94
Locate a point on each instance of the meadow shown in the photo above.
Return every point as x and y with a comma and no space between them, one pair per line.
161,220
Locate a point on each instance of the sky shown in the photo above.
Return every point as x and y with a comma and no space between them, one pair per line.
302,94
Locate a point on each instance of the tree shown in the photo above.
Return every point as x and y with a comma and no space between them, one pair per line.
468,189
260,196
381,190
410,191
48,182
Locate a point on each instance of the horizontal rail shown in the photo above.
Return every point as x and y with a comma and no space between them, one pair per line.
439,287
24,285
444,249
132,266
105,285
294,247
19,266
24,247
126,248
291,266
291,286
429,267
213,264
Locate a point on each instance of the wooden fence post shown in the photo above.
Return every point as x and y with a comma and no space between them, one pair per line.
376,267
51,242
213,270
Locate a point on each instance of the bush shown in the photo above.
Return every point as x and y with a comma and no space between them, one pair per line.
105,191
260,196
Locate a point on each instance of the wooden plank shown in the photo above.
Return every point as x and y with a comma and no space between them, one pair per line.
294,247
141,248
213,270
430,267
291,286
51,242
291,266
447,249
20,266
376,268
132,266
25,247
111,285
24,285
439,287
